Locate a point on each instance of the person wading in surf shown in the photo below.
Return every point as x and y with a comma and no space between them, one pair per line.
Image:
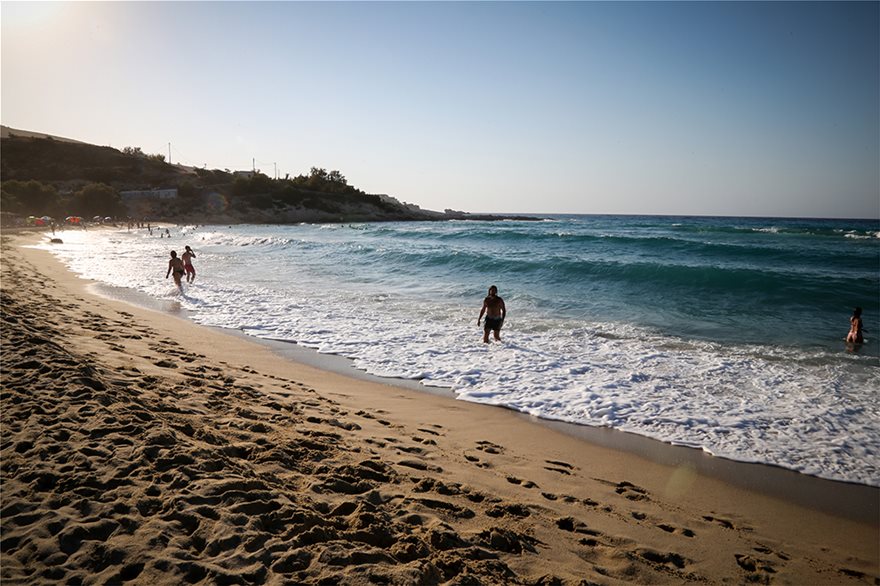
176,265
187,257
493,307
855,335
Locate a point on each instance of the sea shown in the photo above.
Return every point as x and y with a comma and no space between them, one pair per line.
722,334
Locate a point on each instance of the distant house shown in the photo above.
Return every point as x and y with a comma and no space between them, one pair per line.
244,174
148,194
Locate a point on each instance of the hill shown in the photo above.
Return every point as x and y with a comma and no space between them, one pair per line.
7,132
44,158
44,174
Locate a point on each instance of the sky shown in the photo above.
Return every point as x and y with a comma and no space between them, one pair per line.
691,108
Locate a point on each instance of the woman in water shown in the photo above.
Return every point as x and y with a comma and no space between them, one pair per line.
855,328
187,257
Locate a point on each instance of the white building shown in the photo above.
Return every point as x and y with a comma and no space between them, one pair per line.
148,194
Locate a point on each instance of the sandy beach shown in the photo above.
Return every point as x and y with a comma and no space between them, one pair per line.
138,447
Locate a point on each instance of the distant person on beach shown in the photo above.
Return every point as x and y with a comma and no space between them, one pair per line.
176,265
187,257
493,307
855,328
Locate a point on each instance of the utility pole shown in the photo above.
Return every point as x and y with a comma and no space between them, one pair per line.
169,153
254,164
276,170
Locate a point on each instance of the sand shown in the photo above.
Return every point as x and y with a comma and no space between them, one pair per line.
140,448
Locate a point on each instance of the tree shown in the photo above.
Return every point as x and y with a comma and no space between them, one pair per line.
29,197
97,199
9,201
133,151
187,190
258,183
320,180
336,177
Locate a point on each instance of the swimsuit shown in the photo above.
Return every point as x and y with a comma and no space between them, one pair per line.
493,323
855,331
187,262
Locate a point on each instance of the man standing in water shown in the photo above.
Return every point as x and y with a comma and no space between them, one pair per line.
493,307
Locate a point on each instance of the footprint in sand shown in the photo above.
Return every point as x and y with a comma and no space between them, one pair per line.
868,579
433,431
505,540
447,508
673,560
726,523
673,529
760,570
523,483
512,510
419,465
560,467
631,491
575,526
475,460
768,551
489,447
413,450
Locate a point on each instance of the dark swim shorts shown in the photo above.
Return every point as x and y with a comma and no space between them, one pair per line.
493,323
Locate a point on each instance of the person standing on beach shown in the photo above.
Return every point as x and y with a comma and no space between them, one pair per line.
855,335
176,265
187,257
493,307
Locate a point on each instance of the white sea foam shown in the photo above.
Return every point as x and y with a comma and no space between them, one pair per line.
803,410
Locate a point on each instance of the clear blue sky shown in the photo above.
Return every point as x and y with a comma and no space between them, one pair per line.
643,108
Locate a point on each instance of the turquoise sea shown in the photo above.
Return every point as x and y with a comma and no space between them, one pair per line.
724,334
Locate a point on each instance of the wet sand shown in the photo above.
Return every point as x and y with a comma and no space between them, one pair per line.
138,447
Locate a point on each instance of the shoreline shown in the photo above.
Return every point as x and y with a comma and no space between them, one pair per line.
851,500
138,445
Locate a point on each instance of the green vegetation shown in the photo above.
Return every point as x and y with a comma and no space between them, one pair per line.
32,198
54,161
29,198
137,151
319,190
